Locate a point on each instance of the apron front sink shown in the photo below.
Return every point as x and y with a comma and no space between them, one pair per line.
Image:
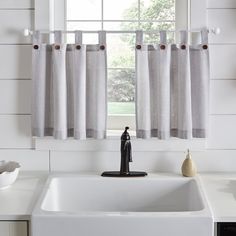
90,205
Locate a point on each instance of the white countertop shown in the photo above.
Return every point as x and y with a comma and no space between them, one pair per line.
220,189
18,201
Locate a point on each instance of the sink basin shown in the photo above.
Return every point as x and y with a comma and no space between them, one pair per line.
87,194
90,205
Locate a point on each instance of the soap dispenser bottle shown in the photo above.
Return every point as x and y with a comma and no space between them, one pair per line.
188,167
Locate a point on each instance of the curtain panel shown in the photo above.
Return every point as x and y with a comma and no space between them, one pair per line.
69,88
172,83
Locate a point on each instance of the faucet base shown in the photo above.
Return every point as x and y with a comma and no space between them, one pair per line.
129,174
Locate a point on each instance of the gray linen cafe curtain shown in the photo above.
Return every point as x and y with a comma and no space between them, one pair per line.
69,88
172,83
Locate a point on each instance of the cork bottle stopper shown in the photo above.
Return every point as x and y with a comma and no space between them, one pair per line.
188,166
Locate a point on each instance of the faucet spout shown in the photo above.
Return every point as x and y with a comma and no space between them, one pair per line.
126,157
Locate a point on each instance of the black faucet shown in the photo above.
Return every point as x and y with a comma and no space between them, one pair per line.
126,152
126,158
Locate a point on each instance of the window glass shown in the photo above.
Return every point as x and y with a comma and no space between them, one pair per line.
122,15
157,10
120,7
84,10
121,91
120,50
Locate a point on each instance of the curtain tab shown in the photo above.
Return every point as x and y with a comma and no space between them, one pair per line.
78,37
139,37
58,37
37,37
163,37
204,35
183,37
102,37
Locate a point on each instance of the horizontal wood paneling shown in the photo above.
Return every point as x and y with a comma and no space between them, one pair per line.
84,161
15,131
225,19
30,160
222,61
223,67
15,64
105,161
13,22
15,96
16,4
15,61
221,3
222,134
211,160
223,97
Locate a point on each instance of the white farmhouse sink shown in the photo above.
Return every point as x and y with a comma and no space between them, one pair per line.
90,205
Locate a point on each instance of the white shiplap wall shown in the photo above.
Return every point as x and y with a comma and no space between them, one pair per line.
223,75
15,86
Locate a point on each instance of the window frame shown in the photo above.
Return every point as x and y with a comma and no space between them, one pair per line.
49,14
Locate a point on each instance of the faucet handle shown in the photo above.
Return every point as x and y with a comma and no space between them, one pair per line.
125,136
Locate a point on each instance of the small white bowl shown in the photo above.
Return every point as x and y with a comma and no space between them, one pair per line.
8,173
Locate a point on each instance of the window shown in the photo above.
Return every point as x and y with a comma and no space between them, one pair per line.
128,15
51,15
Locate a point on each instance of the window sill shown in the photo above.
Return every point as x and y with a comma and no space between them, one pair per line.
112,144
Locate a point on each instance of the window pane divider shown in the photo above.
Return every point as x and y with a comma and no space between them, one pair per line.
139,9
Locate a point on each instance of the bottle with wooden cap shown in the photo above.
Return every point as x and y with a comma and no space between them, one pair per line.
188,167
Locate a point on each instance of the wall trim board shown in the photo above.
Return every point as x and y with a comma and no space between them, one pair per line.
198,14
50,14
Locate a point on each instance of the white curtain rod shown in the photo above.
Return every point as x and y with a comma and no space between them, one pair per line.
28,32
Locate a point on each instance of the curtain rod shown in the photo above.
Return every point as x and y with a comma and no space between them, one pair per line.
28,32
